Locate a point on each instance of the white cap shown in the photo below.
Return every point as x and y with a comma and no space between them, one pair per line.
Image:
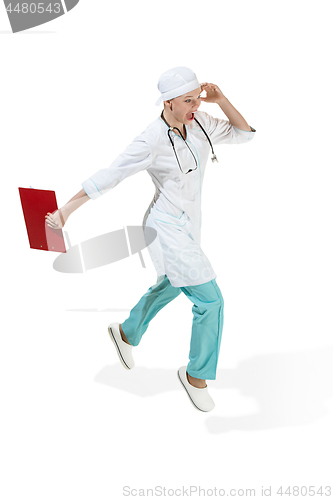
176,82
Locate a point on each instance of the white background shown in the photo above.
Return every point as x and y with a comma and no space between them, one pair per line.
74,93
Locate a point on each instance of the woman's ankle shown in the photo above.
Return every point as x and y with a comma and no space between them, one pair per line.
123,336
196,382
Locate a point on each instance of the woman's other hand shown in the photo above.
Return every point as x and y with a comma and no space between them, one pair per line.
56,220
214,94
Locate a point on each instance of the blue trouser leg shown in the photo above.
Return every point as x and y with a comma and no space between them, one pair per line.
207,328
158,296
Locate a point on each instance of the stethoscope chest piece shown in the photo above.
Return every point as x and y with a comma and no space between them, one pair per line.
171,129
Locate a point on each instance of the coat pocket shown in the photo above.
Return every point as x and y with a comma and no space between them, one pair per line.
173,220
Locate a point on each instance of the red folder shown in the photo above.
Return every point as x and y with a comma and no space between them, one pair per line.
35,204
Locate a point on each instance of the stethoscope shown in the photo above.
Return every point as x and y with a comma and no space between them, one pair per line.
214,158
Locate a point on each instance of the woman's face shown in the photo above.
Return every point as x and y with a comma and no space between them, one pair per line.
184,107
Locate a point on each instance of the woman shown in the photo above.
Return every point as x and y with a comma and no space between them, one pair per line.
174,150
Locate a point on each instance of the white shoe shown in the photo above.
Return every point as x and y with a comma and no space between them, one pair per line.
124,350
199,397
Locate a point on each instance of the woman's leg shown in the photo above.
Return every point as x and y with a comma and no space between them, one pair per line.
158,296
206,329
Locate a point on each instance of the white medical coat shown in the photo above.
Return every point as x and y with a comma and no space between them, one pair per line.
175,212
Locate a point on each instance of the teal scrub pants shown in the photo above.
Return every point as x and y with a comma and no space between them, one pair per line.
206,328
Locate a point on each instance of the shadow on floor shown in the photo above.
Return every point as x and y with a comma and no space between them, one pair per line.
290,388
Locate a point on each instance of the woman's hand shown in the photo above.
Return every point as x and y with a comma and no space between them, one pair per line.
214,94
56,220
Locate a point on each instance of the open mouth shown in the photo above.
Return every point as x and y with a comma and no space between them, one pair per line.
189,116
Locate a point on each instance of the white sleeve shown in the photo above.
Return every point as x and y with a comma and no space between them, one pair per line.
135,158
222,132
